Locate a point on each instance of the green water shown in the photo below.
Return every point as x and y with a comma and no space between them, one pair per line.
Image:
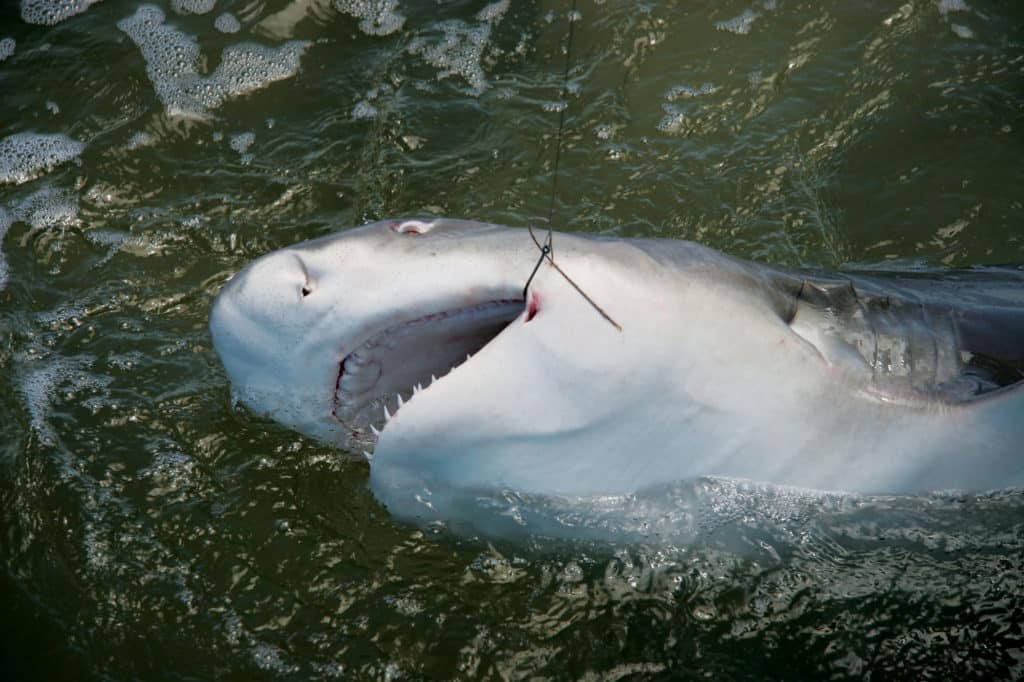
148,530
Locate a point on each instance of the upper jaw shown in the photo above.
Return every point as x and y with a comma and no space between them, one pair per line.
399,361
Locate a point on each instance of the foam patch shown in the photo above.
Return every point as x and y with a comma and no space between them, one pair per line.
363,110
192,6
6,48
173,59
50,12
25,156
47,208
5,223
460,51
227,23
241,143
739,25
377,17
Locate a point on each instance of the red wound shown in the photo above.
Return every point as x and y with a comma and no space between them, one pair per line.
532,307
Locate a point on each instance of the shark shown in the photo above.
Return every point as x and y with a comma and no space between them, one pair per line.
625,364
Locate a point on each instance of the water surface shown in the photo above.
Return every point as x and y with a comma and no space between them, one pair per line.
147,152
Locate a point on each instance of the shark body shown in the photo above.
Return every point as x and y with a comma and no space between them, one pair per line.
721,367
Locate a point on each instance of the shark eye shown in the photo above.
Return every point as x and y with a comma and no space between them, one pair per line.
306,291
411,228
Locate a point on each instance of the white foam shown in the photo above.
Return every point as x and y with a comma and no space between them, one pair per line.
947,6
674,121
241,143
961,30
39,388
25,156
459,53
739,25
227,23
7,46
50,12
686,92
377,17
5,224
139,140
173,59
363,109
47,208
192,6
494,11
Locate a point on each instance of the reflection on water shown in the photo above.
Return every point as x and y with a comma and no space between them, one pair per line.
148,151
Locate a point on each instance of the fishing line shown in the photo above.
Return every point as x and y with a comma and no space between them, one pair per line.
547,249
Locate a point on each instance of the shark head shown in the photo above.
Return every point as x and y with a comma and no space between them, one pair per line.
323,339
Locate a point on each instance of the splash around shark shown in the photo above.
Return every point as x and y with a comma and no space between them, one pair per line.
411,341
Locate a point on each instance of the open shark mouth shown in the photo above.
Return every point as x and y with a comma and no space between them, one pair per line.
401,360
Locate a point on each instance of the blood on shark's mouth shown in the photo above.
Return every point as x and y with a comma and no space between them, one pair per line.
387,369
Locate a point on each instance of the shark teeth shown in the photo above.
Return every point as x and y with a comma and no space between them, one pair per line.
363,382
400,402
